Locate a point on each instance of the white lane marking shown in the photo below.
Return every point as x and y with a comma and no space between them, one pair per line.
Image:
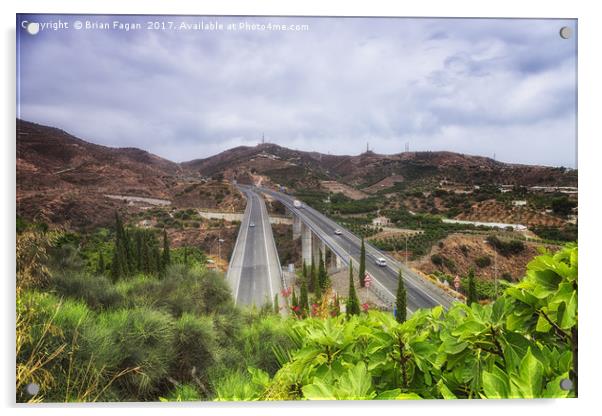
411,279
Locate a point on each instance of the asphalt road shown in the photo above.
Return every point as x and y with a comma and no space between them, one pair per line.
254,272
420,292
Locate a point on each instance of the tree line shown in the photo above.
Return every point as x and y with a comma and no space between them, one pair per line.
136,251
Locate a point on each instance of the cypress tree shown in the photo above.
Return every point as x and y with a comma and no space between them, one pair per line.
304,270
276,304
472,289
362,274
130,253
317,289
303,300
401,301
145,257
323,273
313,278
157,264
166,260
101,263
138,251
119,264
116,264
353,304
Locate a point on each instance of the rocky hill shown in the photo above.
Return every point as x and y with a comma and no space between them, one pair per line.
63,179
302,169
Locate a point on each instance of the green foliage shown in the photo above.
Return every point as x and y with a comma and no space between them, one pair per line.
401,300
567,233
471,295
165,256
353,304
268,343
437,260
500,350
313,278
194,348
362,271
241,385
323,278
96,291
179,337
563,206
182,393
483,261
303,299
506,248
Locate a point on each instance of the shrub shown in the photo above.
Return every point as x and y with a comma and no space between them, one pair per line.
97,291
507,277
216,293
241,385
181,290
437,260
483,261
182,393
506,248
262,337
194,350
140,339
53,351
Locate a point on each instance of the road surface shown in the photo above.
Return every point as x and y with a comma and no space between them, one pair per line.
254,273
420,292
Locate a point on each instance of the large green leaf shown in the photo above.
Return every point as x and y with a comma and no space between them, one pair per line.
356,384
318,391
531,376
495,384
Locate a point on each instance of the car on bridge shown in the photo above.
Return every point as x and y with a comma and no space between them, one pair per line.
338,232
252,224
381,262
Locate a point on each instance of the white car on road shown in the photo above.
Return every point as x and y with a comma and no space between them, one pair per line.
252,224
381,262
338,232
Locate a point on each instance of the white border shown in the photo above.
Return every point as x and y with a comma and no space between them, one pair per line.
589,155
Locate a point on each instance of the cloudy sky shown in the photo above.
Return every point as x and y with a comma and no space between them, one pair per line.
477,86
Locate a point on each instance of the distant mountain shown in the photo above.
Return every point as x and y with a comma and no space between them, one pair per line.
64,179
61,178
47,156
302,169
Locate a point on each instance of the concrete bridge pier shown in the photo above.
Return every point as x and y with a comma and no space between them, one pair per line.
317,245
335,262
306,244
296,227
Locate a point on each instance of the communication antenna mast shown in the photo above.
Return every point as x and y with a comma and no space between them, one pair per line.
262,138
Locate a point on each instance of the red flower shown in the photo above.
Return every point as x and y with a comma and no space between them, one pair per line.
286,292
365,306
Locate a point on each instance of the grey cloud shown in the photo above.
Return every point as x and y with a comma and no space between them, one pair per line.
460,85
